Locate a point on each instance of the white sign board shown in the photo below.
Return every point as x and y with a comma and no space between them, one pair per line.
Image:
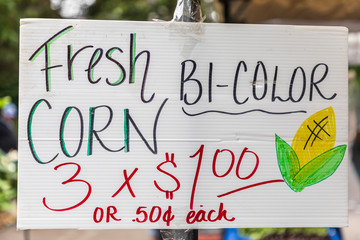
181,125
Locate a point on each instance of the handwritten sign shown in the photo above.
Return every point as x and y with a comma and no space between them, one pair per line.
181,125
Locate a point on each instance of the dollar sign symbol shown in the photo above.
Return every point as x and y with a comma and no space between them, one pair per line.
169,193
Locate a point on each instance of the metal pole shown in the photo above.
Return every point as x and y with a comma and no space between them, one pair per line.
185,11
188,11
27,234
179,234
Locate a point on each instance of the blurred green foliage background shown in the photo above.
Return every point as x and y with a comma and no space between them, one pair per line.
10,13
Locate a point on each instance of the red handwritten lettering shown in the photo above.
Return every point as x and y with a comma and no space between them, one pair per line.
111,211
202,216
110,214
214,162
200,153
70,180
126,183
95,215
156,213
168,193
240,161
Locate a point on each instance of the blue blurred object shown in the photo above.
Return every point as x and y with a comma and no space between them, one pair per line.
234,234
9,110
334,233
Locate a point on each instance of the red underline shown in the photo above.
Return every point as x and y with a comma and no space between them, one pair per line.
250,186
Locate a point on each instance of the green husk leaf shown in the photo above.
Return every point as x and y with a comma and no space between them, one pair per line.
320,168
287,160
